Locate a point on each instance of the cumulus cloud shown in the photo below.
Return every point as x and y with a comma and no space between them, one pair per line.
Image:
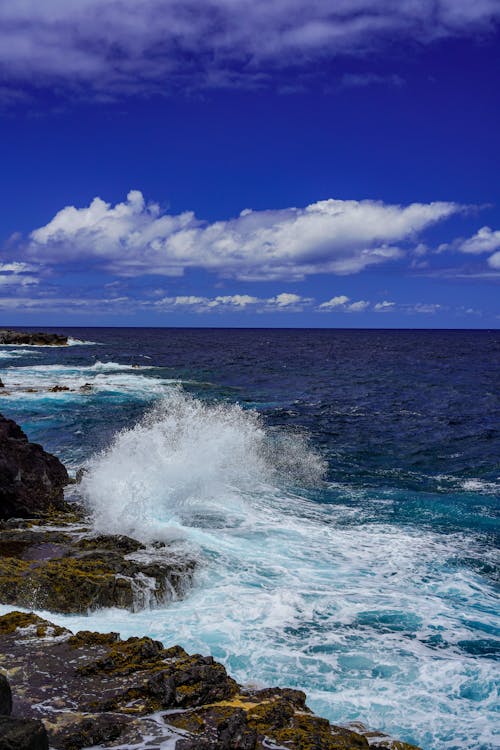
494,261
338,301
329,236
385,306
342,303
141,46
17,273
486,240
285,301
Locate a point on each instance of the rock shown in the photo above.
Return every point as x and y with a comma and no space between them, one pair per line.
1,383
31,480
27,338
105,690
86,388
59,388
22,734
5,696
80,474
65,571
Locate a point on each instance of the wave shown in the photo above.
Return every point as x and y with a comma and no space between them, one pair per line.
81,342
114,366
35,381
188,458
15,353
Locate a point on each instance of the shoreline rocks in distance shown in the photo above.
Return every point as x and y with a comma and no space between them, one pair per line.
28,338
103,689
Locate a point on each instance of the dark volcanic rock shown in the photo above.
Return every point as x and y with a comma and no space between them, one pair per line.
22,734
31,480
5,696
105,690
26,338
67,569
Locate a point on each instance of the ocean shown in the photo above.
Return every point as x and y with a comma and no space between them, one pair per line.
339,489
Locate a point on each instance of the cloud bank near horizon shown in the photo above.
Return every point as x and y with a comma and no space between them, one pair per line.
330,236
147,46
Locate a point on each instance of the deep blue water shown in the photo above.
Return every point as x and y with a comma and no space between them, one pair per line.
347,536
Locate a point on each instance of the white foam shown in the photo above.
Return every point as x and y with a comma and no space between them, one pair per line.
479,485
15,353
101,376
80,342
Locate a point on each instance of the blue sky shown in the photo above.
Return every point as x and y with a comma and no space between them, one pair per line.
236,163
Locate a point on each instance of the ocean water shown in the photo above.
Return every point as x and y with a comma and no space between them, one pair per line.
339,489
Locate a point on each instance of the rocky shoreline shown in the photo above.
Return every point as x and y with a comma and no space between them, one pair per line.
26,338
88,689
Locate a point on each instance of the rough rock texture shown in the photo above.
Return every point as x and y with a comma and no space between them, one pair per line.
103,690
22,734
31,480
5,696
60,565
27,338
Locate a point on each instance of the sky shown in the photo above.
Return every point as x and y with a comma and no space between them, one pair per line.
289,163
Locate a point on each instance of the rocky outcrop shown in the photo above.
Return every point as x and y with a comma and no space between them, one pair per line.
22,734
60,565
27,338
106,690
5,696
31,480
15,733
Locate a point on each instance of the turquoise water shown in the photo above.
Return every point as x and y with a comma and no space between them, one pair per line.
339,488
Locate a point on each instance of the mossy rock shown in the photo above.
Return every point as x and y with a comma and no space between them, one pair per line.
61,571
283,720
23,621
63,585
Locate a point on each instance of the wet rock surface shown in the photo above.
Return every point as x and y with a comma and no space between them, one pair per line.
22,734
31,480
27,338
5,697
113,692
58,564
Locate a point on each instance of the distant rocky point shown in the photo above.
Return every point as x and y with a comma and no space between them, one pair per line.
27,338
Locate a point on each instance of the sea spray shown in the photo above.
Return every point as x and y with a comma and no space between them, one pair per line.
187,458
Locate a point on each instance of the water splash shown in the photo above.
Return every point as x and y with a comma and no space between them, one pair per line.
187,459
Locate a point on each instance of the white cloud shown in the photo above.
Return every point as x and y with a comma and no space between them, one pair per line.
285,301
334,302
423,308
494,260
16,267
484,241
384,306
359,306
15,280
152,45
329,236
342,303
